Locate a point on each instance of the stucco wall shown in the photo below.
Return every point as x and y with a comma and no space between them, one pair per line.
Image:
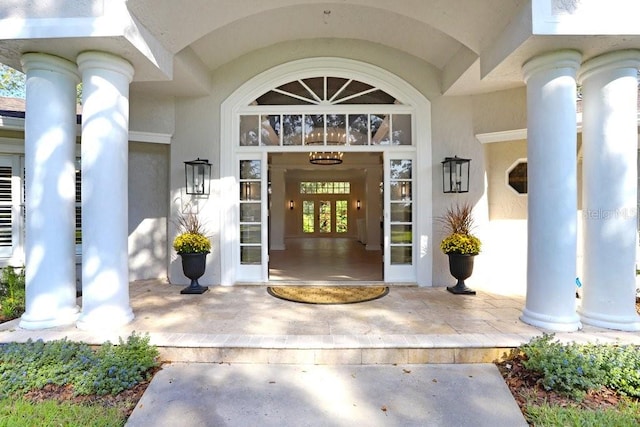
500,111
453,134
148,196
149,113
504,202
505,246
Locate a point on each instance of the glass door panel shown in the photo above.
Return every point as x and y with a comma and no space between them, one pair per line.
342,216
324,216
399,218
250,206
308,216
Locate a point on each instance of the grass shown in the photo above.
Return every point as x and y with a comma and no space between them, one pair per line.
17,412
626,413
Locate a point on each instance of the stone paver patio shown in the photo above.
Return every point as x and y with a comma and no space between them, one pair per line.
246,324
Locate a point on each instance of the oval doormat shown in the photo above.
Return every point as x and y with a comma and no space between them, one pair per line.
328,294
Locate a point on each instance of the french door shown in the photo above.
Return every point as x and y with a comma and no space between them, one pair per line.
325,217
399,217
251,249
251,257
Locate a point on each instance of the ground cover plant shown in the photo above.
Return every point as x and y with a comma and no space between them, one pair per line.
94,384
567,384
12,293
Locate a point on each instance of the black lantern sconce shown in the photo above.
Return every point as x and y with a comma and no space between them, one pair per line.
291,204
455,175
197,174
358,204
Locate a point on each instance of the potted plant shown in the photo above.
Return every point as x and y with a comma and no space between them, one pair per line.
460,245
193,246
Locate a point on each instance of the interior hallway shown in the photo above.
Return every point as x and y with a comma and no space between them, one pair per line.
325,259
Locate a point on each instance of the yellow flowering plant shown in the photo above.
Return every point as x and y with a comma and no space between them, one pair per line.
192,239
458,222
462,244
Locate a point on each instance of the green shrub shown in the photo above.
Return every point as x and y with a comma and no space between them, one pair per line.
12,294
621,365
574,369
108,370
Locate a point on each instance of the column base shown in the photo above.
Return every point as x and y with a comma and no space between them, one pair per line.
105,318
628,323
62,318
552,323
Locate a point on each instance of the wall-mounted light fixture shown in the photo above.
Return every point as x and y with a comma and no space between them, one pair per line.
455,175
291,204
358,204
197,175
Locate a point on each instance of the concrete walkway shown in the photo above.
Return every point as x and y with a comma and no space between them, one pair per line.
220,395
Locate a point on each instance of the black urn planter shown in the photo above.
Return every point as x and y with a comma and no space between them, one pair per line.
461,267
193,266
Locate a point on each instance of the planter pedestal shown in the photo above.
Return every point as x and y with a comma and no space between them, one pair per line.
193,266
461,267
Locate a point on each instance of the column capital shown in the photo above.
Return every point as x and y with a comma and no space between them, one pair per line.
552,60
32,61
105,61
626,58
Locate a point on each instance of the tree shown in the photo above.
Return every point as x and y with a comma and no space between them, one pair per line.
12,82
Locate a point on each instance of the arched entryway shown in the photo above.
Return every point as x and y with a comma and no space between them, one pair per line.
325,105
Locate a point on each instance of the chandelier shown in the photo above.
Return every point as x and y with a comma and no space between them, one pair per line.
325,157
331,136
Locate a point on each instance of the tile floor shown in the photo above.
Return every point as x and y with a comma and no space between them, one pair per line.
325,259
246,324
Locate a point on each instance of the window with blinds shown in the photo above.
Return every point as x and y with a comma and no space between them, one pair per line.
12,200
6,206
78,203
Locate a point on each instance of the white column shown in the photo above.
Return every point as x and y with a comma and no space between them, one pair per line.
552,191
610,152
50,136
104,152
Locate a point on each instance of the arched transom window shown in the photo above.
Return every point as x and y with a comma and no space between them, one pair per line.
325,111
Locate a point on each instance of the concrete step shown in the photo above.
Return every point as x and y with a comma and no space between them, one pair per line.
333,356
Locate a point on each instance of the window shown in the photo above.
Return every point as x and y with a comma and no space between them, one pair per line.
7,203
325,110
324,187
78,206
517,177
332,90
12,201
266,130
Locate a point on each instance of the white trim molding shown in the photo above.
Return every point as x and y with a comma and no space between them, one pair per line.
17,124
